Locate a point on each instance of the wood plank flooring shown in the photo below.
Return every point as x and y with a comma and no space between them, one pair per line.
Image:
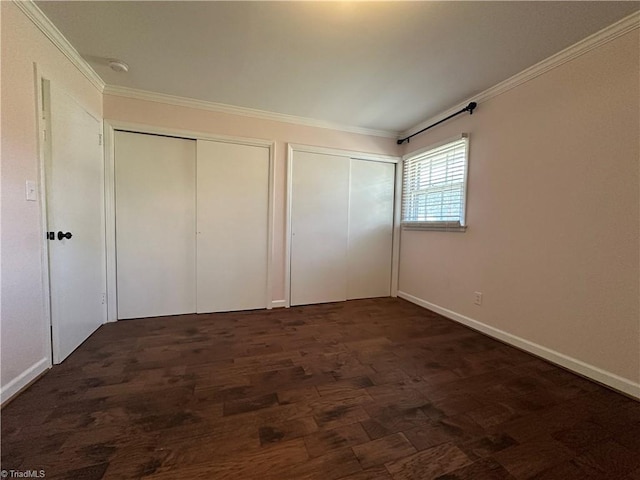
362,390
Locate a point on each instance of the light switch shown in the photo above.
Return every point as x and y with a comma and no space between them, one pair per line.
31,191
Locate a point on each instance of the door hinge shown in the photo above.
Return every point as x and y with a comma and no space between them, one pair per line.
99,139
44,135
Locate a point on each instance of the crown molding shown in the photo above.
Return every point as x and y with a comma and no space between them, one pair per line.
37,16
33,12
243,111
591,42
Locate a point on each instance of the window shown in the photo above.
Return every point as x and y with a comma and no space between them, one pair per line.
434,187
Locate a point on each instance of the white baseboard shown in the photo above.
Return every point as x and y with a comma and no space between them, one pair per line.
609,379
24,379
278,303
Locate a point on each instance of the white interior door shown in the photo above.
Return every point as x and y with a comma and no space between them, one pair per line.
155,225
370,229
232,226
319,228
74,176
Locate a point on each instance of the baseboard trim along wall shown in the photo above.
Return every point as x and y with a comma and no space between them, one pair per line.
24,380
278,303
581,368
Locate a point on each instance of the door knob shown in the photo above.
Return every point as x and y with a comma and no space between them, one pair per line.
64,235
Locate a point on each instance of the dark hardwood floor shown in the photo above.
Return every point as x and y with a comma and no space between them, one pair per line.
362,390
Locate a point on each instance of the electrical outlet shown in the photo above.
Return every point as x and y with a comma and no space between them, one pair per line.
477,298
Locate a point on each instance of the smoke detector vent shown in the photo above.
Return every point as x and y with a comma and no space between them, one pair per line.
118,66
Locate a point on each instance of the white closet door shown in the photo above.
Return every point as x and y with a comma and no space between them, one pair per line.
370,229
155,225
232,219
319,226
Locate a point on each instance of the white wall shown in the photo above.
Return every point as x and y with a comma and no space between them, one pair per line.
24,330
553,214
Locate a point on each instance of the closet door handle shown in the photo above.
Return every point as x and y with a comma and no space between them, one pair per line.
64,235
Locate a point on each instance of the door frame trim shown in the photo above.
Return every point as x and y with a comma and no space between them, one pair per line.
44,151
351,154
110,127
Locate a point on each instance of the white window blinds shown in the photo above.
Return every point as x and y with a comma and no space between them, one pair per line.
434,187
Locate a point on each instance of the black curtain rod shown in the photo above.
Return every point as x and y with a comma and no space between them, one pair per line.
469,108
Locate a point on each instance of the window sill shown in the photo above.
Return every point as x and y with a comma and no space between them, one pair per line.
435,227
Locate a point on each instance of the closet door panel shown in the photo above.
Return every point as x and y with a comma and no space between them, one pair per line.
370,229
319,226
155,225
232,226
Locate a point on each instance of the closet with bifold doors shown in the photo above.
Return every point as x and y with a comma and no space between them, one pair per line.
192,225
341,215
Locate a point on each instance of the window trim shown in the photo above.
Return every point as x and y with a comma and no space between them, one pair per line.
438,226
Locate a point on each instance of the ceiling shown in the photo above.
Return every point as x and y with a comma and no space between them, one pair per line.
378,65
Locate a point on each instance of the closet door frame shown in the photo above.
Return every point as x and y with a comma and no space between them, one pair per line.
110,127
292,148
